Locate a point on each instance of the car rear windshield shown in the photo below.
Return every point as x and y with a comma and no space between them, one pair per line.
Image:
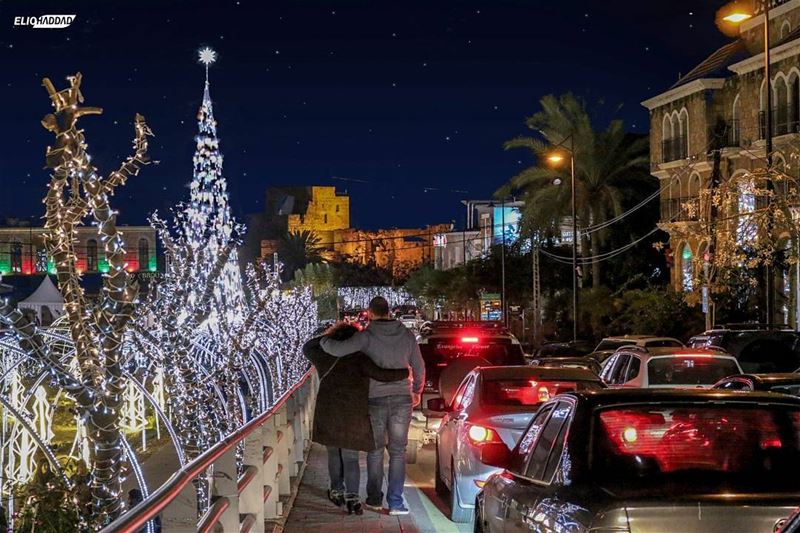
663,343
442,350
697,448
606,345
528,392
689,370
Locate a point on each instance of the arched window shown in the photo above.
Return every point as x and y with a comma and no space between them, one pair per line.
735,116
683,121
16,256
687,269
781,105
794,101
666,127
91,255
144,254
325,218
786,29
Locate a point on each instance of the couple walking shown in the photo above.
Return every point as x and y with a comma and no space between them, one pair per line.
366,394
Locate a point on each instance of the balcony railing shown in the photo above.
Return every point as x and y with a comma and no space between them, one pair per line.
674,149
785,120
679,209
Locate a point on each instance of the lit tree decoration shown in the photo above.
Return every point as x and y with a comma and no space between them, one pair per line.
97,332
43,414
741,224
133,413
208,216
359,297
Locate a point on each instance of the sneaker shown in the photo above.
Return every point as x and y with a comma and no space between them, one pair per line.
354,505
372,506
336,496
399,511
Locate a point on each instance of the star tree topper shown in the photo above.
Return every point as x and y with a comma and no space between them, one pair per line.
207,56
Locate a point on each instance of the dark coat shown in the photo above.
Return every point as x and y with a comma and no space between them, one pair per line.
341,414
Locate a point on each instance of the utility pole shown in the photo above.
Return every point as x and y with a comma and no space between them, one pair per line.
537,295
769,288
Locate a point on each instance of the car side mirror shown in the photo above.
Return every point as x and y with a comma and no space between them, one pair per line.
438,405
495,454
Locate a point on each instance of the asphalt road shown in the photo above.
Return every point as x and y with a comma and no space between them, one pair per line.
430,511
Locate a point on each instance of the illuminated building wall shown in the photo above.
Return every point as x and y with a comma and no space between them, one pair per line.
20,246
326,211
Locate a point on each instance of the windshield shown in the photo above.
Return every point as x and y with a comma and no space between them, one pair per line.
689,370
527,392
698,447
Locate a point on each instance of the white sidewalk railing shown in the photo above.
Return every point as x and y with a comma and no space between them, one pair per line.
275,445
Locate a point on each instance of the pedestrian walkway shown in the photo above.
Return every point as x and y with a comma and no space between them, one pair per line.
312,512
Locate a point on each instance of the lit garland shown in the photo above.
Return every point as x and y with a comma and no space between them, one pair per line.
359,297
97,332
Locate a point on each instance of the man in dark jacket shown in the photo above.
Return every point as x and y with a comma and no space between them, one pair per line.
390,345
341,413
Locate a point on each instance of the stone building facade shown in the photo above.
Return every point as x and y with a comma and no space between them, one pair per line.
22,250
325,212
719,107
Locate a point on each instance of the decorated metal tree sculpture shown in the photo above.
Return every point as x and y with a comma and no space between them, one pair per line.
76,191
177,311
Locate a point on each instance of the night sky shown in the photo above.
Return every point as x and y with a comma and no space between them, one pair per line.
405,105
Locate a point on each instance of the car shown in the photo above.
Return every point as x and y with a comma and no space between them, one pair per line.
633,367
563,349
781,383
609,345
450,349
587,363
409,321
642,460
492,404
759,348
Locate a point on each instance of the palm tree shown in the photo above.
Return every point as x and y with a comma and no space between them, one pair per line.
607,164
298,249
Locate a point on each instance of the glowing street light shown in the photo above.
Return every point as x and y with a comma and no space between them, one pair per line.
555,159
736,18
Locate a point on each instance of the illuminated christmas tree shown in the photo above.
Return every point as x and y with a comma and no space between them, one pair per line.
208,221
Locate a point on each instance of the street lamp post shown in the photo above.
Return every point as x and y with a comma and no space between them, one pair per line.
556,159
737,16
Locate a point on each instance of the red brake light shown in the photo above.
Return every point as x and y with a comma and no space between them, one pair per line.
481,435
469,340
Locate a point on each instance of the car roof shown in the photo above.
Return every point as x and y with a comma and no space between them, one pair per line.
539,372
649,353
638,338
564,359
778,378
609,397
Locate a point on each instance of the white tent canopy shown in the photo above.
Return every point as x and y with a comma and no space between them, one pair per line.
45,299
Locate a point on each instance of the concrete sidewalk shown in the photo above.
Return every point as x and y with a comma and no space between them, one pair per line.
312,512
